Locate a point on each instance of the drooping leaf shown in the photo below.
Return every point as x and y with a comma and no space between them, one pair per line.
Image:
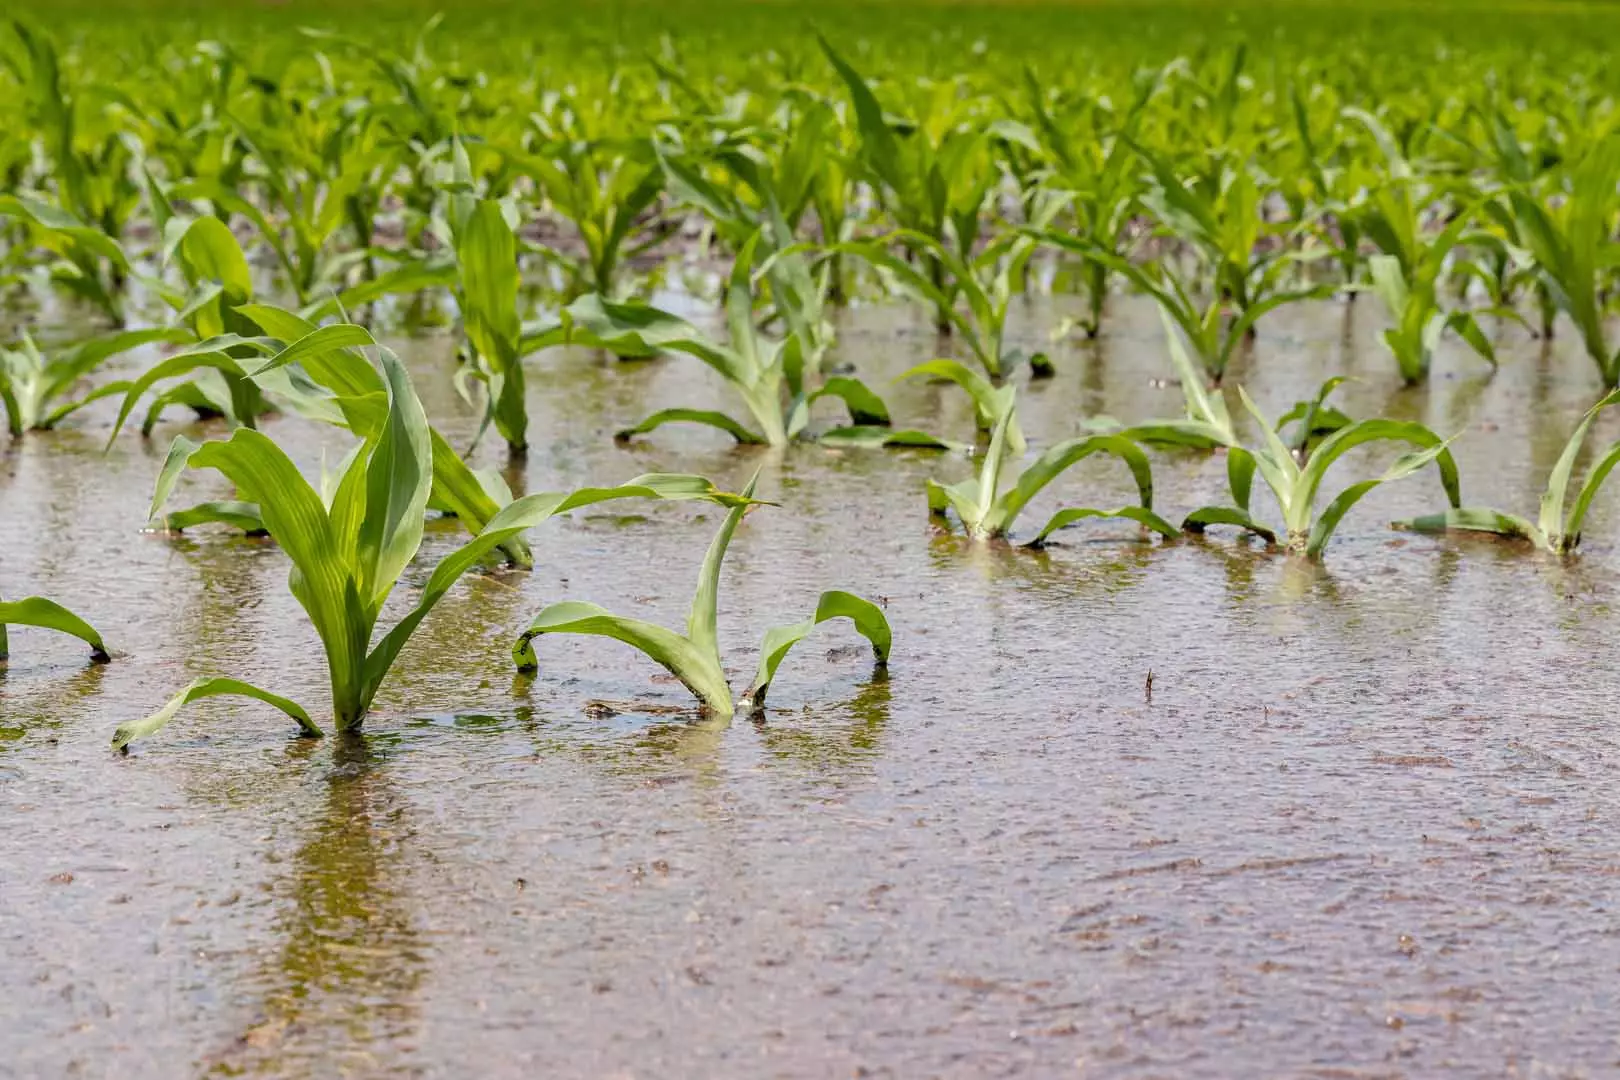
49,615
131,730
866,616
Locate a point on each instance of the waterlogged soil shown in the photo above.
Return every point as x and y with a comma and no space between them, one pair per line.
1120,809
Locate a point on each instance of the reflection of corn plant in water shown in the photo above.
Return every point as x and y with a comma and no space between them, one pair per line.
48,615
350,544
694,657
1558,527
987,512
1295,473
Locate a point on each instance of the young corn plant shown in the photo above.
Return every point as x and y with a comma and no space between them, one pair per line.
986,512
1406,276
350,544
48,615
1095,172
317,372
1572,242
776,379
604,186
694,657
1224,225
1209,329
39,392
90,264
987,283
933,176
1557,529
1295,474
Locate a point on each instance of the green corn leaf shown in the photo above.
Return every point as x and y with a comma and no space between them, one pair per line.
49,615
693,664
978,388
398,480
1303,496
53,418
315,343
1240,466
628,327
709,417
866,616
875,438
175,463
1062,456
1204,517
866,409
1570,535
131,730
1328,520
1475,519
210,254
877,138
1139,514
1276,462
239,515
1465,326
702,625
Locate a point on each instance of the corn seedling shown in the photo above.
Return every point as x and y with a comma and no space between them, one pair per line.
89,264
933,176
39,392
1208,329
771,376
1571,242
1557,529
1406,276
987,512
1094,173
986,283
694,657
1223,223
603,186
1295,474
350,544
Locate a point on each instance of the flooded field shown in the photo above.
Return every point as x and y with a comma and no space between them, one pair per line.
1121,808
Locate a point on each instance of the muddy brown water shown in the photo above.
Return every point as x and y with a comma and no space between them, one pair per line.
1366,824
